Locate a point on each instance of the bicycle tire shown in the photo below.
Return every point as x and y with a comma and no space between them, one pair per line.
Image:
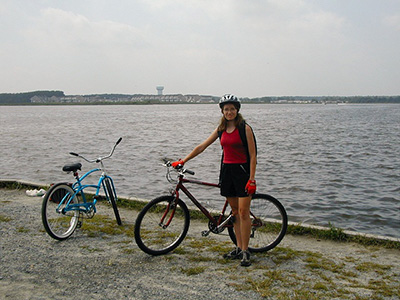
58,224
269,223
112,197
155,239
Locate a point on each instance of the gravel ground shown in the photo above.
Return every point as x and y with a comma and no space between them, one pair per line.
97,265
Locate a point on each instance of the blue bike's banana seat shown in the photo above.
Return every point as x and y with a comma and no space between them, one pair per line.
72,167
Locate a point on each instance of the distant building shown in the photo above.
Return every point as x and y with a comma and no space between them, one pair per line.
138,98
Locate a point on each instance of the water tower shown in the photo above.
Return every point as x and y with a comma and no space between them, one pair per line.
160,90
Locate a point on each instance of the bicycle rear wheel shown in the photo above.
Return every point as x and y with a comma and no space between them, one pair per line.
269,223
59,223
162,225
112,196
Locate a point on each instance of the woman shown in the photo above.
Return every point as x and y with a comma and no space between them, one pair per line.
237,176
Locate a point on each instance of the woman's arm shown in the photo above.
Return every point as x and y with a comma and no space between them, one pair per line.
252,152
203,146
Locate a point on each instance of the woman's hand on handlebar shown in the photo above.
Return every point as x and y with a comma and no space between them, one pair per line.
178,164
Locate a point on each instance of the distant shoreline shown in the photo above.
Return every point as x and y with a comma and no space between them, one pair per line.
59,98
180,103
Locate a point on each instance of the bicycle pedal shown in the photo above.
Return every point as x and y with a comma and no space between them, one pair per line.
205,233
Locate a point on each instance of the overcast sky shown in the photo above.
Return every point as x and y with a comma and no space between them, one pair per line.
250,48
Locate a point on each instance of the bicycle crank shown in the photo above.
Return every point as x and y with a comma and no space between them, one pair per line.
214,228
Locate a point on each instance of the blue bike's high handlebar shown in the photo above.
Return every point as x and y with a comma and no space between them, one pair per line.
97,160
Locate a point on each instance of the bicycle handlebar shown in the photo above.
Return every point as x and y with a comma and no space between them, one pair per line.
97,160
180,169
188,171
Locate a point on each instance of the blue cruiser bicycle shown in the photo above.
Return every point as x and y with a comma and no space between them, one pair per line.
65,204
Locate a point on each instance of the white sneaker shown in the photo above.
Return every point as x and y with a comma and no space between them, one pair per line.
40,192
31,193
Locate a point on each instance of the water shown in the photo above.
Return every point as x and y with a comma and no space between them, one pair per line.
326,163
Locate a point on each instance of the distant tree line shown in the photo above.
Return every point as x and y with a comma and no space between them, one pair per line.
25,98
319,99
21,98
372,99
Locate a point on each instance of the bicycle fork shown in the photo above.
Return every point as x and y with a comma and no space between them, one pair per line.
171,207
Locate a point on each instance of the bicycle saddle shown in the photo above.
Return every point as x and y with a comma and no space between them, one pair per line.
72,167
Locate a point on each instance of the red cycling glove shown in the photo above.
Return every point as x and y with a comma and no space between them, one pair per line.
251,187
178,164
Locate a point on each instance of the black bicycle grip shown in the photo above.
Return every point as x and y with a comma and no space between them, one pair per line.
189,172
119,141
74,154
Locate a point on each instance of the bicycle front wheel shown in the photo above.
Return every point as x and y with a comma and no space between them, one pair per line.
59,222
162,225
268,223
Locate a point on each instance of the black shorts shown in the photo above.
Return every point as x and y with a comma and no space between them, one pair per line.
233,179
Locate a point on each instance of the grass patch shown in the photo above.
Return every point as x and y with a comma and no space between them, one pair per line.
22,229
336,234
280,255
193,271
323,264
181,251
15,185
101,224
383,288
320,286
128,250
5,218
372,267
331,233
131,204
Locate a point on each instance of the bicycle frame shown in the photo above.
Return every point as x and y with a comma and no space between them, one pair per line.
180,186
78,187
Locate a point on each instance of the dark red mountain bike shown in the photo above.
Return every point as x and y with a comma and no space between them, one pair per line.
164,222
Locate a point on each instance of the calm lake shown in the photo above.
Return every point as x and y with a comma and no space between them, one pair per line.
328,164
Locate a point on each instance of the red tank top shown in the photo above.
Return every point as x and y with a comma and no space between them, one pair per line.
234,151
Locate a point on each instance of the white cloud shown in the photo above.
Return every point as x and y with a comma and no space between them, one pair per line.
60,27
251,48
393,21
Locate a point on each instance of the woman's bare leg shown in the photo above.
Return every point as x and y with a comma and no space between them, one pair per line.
234,203
245,222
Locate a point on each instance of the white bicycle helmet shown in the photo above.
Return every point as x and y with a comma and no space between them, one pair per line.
229,98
